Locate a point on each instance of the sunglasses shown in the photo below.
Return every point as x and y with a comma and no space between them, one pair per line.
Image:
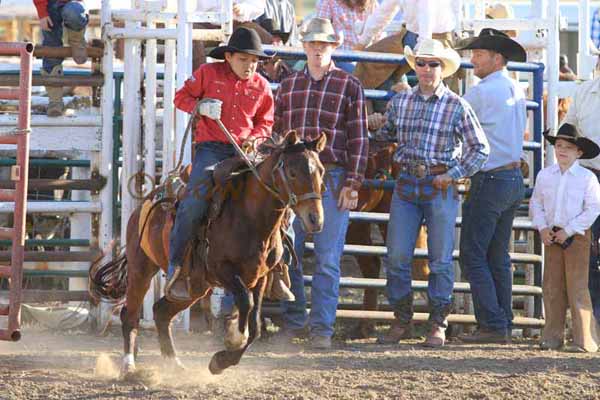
431,64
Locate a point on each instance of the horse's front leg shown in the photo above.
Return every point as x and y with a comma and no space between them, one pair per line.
236,324
164,311
226,358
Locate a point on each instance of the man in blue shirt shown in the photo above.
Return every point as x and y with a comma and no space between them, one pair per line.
497,190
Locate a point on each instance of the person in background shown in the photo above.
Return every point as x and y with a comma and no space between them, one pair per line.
565,73
279,19
565,203
348,18
54,15
595,31
244,14
423,19
497,189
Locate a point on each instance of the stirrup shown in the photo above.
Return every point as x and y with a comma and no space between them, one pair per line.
171,294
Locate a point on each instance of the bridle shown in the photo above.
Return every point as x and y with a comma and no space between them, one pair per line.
293,198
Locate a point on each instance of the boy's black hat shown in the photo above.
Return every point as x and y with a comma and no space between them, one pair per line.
570,133
242,40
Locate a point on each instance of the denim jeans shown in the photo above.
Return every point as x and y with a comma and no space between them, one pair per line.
73,15
194,204
413,201
329,245
487,221
594,277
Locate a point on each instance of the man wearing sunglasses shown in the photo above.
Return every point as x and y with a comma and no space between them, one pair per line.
439,141
497,190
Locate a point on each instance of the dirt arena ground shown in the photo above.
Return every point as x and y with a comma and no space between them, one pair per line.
46,365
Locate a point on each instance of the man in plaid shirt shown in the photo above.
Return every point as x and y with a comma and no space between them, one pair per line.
439,141
323,98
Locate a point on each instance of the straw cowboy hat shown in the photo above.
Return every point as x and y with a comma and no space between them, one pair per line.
570,133
242,40
320,30
498,41
431,48
501,11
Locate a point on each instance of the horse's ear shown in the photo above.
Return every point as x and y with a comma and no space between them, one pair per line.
321,142
291,138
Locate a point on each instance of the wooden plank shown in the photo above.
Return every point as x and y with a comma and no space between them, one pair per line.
42,296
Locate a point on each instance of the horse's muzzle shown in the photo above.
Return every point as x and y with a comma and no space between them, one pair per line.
313,224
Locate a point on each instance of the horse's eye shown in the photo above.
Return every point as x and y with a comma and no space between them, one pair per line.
291,174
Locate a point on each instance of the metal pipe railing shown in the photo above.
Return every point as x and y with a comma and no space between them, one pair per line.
20,173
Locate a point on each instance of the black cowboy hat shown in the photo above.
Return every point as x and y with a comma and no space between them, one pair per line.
570,133
495,40
243,40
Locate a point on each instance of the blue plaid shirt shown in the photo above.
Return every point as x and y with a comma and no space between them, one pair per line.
596,28
441,129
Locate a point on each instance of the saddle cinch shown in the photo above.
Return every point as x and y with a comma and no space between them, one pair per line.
168,195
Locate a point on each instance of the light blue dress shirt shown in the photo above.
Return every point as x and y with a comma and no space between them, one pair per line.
500,106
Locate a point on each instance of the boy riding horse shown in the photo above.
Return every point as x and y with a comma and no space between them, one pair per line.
246,110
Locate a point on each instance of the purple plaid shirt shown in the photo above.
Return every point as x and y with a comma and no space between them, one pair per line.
442,129
334,105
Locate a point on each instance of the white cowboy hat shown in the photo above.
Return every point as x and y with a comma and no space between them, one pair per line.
431,48
320,30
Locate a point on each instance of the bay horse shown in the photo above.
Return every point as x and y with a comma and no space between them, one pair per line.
245,243
380,166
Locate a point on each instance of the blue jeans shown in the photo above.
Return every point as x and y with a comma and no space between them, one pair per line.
594,277
329,245
73,15
193,206
413,201
487,221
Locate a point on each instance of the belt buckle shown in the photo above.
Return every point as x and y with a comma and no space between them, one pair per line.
420,171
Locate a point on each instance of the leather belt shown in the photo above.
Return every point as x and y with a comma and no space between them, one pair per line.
330,166
509,166
420,171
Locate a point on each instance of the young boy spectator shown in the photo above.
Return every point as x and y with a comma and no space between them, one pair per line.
565,203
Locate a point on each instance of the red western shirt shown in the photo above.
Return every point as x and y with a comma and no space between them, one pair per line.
247,109
42,6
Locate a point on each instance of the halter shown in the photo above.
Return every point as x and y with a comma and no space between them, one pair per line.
293,198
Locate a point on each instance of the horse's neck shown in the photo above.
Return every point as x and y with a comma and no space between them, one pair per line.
262,207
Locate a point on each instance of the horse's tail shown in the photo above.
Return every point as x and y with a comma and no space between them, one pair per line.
108,281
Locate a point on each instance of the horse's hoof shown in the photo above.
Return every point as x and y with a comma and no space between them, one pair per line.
214,366
177,364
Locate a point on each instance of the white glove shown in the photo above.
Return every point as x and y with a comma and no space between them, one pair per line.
210,108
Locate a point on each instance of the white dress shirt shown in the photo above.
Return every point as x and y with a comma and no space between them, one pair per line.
249,9
423,17
570,200
584,113
500,105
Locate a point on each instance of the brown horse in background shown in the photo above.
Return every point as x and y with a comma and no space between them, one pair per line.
244,245
380,166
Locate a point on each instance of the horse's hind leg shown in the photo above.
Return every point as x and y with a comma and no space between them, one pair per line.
164,311
140,271
227,358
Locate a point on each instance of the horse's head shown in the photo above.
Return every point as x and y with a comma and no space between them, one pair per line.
298,177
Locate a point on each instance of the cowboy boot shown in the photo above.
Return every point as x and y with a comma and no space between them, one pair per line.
177,287
402,326
438,324
55,93
78,45
278,284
